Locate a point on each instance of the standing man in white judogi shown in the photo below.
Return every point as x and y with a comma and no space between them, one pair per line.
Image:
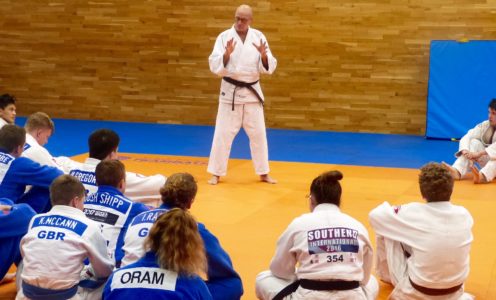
240,55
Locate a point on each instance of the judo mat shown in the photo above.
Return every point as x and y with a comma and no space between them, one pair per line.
247,216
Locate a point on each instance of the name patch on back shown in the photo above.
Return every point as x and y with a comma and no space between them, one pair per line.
60,222
144,278
84,177
148,217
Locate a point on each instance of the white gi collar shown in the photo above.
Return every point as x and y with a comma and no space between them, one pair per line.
326,207
31,140
444,205
92,161
235,34
65,209
3,122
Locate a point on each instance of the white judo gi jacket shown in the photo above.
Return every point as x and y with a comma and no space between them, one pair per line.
437,235
56,245
481,137
40,154
327,245
245,64
139,188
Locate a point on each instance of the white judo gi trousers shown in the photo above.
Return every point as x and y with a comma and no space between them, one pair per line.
268,286
391,266
250,116
462,164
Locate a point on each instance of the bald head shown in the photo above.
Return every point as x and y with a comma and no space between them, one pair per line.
245,9
243,18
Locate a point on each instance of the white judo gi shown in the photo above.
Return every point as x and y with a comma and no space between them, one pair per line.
40,154
481,137
3,122
55,247
437,236
328,245
244,65
139,188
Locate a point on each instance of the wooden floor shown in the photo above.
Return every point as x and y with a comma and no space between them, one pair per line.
248,216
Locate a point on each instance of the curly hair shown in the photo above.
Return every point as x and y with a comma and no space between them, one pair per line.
436,183
326,188
179,190
178,246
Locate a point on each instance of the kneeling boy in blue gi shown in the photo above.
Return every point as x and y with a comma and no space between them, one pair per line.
16,172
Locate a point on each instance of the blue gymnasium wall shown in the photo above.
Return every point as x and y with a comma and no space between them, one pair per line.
462,81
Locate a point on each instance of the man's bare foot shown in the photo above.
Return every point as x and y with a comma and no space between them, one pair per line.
268,179
214,180
478,176
454,172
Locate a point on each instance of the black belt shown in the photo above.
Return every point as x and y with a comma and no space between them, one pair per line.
242,84
317,285
434,292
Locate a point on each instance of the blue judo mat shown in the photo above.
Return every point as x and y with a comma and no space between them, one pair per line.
362,149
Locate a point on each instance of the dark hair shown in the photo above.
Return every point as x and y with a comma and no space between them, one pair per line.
6,100
492,104
11,137
39,120
436,183
179,190
326,188
65,188
110,172
102,142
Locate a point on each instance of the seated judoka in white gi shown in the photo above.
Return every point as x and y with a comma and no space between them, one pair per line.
332,251
103,144
58,242
423,248
7,109
39,128
478,145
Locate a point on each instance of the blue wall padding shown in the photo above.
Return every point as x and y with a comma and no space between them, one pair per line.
462,81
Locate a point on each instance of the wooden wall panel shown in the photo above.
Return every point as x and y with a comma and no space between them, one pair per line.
344,65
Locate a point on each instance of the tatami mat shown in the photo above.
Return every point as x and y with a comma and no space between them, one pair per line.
248,216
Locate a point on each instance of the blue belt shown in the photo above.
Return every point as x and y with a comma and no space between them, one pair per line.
38,293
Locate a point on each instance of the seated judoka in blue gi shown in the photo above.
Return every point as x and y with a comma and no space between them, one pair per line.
14,222
179,192
16,172
171,266
110,208
56,245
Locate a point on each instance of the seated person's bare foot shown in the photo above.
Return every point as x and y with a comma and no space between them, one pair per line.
268,179
214,180
454,172
478,176
9,277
